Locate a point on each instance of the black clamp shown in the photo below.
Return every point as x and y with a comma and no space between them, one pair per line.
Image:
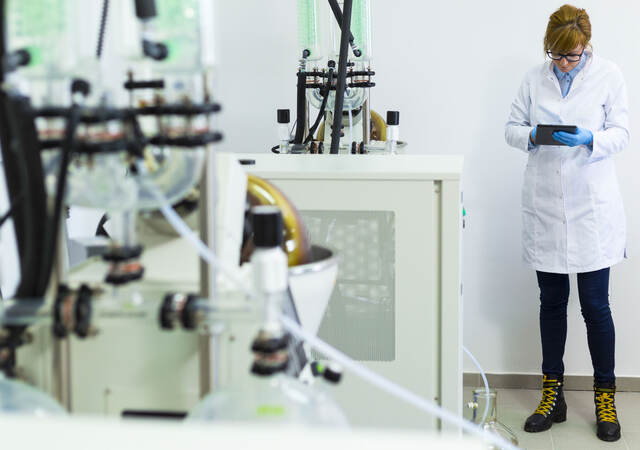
191,316
61,306
121,254
72,312
182,308
132,85
82,311
330,372
271,353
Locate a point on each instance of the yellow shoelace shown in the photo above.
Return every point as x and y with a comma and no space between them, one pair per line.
549,394
605,407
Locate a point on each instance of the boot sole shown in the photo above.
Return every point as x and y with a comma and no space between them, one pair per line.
609,438
559,418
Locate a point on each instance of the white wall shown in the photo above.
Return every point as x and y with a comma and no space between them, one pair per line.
452,69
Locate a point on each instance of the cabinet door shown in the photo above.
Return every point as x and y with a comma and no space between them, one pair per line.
384,310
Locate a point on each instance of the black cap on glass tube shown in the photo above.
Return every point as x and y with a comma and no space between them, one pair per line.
284,116
146,9
267,226
393,117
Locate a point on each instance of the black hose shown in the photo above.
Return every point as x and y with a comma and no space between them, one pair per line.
54,224
335,7
12,208
323,106
342,77
103,28
301,108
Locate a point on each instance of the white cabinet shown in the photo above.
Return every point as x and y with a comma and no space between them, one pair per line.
395,222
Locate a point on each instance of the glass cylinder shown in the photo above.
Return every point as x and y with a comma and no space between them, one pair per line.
360,29
309,29
484,400
44,29
185,26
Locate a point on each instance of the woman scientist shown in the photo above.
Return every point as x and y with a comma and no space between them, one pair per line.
573,217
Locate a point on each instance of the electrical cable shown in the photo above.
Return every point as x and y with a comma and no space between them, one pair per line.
323,106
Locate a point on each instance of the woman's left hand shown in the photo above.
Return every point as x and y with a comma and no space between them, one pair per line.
581,137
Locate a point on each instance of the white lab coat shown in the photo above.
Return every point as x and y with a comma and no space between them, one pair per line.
572,213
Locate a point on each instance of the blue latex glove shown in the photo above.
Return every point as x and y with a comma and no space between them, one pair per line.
581,137
533,135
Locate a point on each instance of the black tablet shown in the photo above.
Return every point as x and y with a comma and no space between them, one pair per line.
544,133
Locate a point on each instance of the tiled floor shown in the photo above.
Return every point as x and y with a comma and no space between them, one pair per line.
578,432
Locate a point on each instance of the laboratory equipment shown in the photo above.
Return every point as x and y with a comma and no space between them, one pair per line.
267,394
19,398
334,77
483,399
395,220
140,154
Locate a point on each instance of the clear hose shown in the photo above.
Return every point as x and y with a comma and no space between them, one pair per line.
484,380
183,229
390,387
357,369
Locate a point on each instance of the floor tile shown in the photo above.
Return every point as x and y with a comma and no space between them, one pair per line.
583,441
632,438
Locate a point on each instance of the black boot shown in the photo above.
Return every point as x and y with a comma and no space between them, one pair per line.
552,407
606,415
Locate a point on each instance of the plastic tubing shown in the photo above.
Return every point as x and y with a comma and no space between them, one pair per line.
484,380
390,387
358,369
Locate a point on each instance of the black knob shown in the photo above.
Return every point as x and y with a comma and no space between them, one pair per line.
146,9
267,226
332,373
80,86
284,116
393,117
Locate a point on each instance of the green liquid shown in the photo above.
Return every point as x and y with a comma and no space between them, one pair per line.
37,25
308,26
360,26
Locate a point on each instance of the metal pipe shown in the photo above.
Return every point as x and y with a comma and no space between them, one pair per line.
366,118
342,77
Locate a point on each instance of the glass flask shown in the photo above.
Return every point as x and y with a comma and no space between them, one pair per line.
19,398
482,398
277,399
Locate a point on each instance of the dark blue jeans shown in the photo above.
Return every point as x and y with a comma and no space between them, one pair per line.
593,289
